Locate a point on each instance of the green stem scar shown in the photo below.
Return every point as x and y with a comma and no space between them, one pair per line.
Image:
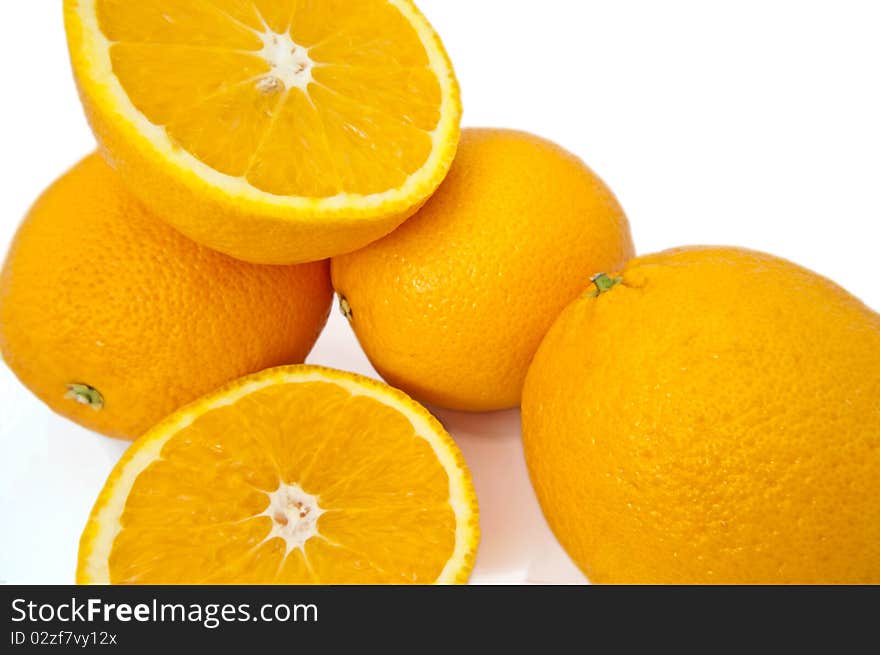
344,307
85,395
603,283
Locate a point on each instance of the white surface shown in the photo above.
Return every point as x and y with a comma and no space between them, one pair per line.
751,123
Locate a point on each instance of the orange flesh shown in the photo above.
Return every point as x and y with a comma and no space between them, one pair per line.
195,515
362,124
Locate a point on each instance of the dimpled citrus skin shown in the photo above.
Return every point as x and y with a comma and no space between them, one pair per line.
714,418
95,291
452,305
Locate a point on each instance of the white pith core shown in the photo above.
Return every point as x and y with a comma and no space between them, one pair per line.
291,64
294,515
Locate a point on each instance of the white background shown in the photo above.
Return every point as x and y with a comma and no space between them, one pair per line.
752,123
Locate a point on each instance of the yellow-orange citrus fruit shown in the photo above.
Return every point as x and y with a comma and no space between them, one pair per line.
275,131
451,306
115,320
713,416
296,475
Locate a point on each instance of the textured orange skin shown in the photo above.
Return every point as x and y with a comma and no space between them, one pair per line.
96,291
452,305
715,418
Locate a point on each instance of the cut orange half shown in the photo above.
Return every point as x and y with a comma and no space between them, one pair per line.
276,131
296,475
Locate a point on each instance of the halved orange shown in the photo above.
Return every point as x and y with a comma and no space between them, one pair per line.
296,475
276,131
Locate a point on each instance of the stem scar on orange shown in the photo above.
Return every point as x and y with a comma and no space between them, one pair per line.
115,320
691,420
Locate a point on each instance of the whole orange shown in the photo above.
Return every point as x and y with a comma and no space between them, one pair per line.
712,417
115,320
452,305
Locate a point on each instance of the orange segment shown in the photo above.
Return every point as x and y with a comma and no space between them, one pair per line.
296,475
412,95
295,152
184,22
172,80
314,22
368,533
276,14
243,114
360,43
380,149
247,13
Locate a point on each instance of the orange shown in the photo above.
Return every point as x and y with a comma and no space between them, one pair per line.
114,320
295,475
275,131
712,417
452,305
